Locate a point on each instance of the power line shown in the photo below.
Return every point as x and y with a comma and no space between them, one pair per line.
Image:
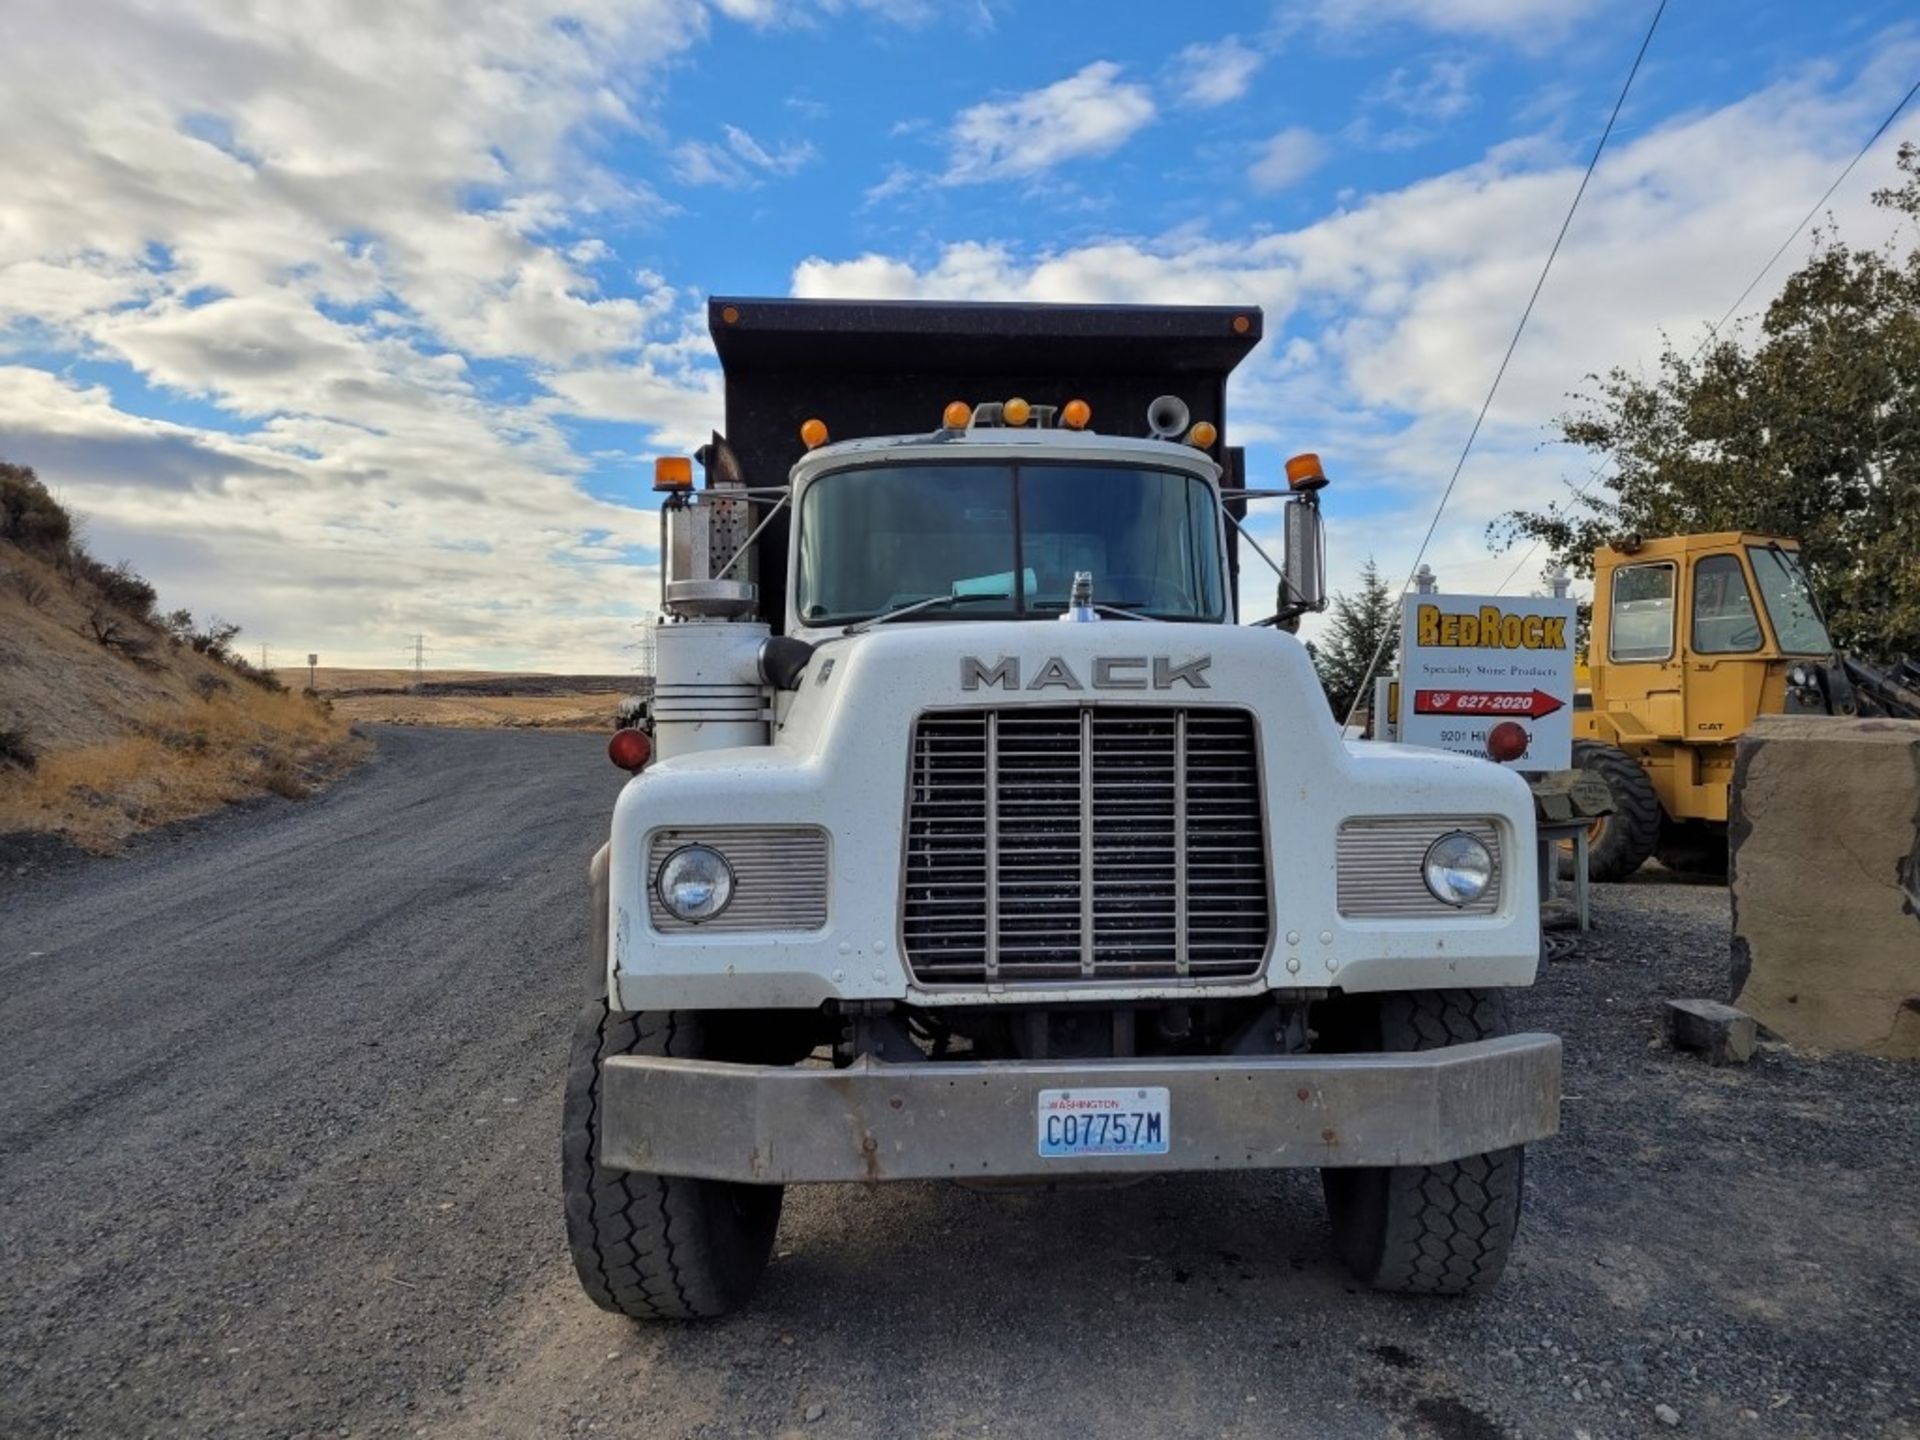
1774,259
1713,330
1513,344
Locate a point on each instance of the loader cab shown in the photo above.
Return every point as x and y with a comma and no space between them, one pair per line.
1693,635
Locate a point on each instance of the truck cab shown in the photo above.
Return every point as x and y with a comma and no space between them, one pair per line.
973,837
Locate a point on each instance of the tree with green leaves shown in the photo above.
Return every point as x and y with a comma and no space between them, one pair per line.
1354,630
1809,429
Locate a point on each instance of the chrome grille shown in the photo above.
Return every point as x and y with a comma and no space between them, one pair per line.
779,877
1074,842
1381,866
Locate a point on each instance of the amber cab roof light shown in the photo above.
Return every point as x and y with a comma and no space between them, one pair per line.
673,472
1304,473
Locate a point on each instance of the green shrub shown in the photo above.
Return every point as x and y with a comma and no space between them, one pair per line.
29,516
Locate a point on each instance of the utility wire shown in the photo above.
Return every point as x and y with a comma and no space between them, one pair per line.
1713,330
1512,345
1805,220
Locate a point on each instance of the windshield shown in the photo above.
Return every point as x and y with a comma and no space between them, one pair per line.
1009,536
1789,601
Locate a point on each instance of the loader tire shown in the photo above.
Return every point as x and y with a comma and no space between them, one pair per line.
653,1247
1443,1229
1621,842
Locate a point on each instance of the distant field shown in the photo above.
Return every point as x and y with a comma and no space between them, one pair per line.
329,679
475,698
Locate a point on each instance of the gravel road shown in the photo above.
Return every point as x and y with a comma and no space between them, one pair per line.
278,1114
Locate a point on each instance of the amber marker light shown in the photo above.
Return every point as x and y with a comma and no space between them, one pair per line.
813,434
730,314
1203,434
1241,324
957,416
1304,473
1076,414
1016,411
673,472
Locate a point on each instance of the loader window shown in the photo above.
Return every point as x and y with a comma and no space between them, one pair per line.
1724,622
1789,600
879,537
1640,622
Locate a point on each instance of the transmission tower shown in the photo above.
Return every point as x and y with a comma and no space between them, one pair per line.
419,660
643,644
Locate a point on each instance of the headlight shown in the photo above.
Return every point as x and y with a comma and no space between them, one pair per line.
1458,868
695,883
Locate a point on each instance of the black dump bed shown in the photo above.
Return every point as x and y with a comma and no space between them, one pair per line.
889,367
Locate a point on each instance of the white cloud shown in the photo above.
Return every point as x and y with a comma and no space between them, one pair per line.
322,219
1388,319
740,163
1090,113
1211,73
1528,22
1287,158
1444,92
1116,273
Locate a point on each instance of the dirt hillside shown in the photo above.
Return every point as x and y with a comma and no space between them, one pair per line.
114,718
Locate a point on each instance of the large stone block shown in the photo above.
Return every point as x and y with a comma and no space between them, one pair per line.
1825,878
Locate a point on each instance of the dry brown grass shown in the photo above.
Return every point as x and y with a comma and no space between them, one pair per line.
543,712
330,679
178,761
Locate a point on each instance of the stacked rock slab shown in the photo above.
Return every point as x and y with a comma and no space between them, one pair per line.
1826,881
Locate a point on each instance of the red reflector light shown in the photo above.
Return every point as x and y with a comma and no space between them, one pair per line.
1507,741
630,749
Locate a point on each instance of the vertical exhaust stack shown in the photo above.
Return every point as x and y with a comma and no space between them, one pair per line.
707,692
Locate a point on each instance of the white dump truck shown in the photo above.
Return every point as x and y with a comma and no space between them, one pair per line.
973,836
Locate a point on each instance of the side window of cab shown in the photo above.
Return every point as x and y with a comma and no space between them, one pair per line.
1724,622
1640,617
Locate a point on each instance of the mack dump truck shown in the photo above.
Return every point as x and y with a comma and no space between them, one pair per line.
971,837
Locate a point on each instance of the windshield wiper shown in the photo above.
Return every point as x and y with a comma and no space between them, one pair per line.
1797,573
915,608
1126,609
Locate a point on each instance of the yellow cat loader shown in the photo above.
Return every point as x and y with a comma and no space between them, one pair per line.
1693,637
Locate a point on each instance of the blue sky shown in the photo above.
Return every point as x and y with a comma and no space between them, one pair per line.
347,322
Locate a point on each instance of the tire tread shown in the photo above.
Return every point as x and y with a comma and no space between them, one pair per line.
1632,832
651,1246
1443,1229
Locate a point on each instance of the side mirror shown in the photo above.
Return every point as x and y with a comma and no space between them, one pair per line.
1303,583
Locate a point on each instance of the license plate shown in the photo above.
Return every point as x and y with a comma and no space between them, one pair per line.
1131,1121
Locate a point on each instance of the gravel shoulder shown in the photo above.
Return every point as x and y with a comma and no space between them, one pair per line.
278,1133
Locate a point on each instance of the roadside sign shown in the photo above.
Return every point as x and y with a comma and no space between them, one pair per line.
1481,668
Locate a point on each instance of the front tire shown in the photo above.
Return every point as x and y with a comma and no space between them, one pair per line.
653,1247
1443,1229
1621,842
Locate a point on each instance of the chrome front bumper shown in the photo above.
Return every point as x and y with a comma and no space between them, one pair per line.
952,1120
